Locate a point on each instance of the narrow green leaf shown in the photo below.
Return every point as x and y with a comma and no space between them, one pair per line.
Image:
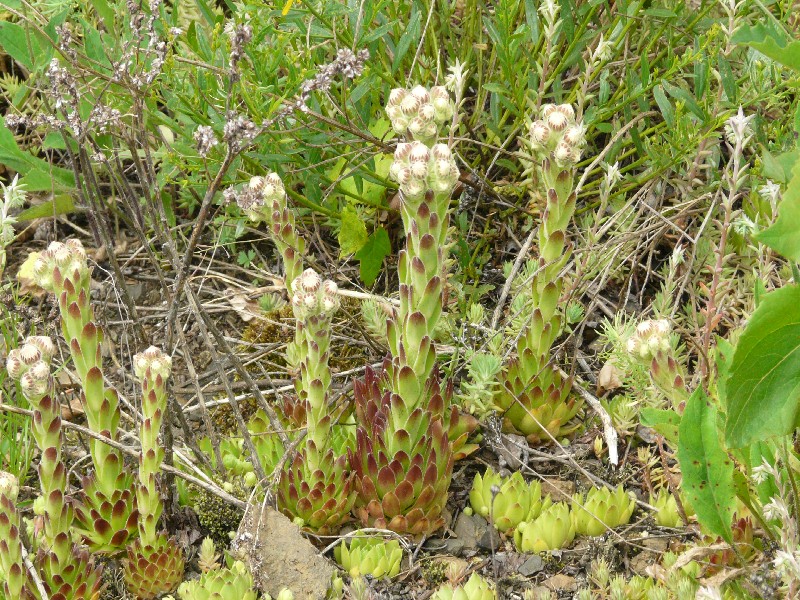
784,236
762,390
728,80
664,105
372,254
60,205
706,468
770,42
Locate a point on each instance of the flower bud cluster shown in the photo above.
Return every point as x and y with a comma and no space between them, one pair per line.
68,257
418,168
650,340
419,112
30,365
153,360
313,296
258,198
557,134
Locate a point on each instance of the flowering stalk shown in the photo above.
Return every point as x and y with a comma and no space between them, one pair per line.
403,458
650,345
59,561
265,199
152,368
154,564
534,396
107,509
315,489
12,568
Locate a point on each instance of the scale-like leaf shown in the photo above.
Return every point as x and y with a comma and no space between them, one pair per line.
706,468
762,390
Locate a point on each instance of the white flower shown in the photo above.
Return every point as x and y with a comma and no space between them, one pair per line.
456,78
737,128
708,593
613,175
771,192
603,50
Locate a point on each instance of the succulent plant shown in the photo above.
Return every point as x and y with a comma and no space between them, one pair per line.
154,563
551,530
106,511
476,588
370,556
154,569
65,570
667,514
12,569
650,345
534,397
265,200
508,501
600,509
403,460
231,582
316,488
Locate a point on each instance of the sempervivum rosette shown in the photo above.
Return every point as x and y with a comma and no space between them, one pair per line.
403,461
151,570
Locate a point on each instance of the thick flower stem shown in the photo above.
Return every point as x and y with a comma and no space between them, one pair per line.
534,397
106,515
12,568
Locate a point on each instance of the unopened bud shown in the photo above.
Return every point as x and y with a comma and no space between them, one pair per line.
9,486
557,121
421,94
567,111
308,281
540,133
44,344
396,96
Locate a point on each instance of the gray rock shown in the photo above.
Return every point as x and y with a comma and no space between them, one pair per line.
533,565
279,556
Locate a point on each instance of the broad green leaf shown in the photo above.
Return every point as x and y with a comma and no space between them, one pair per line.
57,178
353,233
762,390
14,42
784,235
706,468
665,422
779,168
372,254
771,43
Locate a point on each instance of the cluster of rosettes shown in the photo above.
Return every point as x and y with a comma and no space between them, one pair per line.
418,168
313,296
419,112
30,364
257,199
650,340
557,134
69,257
154,360
369,556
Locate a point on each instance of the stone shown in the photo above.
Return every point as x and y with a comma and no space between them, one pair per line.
561,583
474,532
279,556
560,490
533,565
